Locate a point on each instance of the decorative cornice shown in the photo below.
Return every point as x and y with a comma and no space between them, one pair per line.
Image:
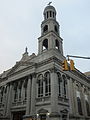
51,32
18,64
54,114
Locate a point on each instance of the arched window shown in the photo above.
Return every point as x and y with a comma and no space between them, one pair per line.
45,44
40,85
57,44
20,88
15,91
64,80
79,103
47,14
53,14
64,85
87,105
59,82
2,93
45,29
50,13
25,88
56,29
47,84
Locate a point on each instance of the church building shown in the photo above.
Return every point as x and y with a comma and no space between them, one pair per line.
37,88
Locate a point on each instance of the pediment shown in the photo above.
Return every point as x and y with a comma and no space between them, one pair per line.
42,111
64,111
20,66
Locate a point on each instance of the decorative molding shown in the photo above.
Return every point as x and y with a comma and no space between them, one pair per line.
42,111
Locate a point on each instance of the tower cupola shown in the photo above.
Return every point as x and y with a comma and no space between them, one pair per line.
49,12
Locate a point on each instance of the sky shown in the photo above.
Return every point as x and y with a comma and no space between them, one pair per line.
20,22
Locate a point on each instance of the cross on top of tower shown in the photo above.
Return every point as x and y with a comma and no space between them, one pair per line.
26,50
49,3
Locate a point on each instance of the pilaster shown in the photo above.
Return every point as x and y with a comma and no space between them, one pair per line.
75,98
7,93
33,94
83,100
89,98
54,92
70,95
9,101
28,105
23,92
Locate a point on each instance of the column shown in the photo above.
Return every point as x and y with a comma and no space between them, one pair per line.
6,100
70,95
82,95
22,92
54,92
75,109
89,98
28,104
33,94
9,101
54,96
0,95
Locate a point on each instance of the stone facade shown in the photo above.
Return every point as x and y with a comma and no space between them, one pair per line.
37,87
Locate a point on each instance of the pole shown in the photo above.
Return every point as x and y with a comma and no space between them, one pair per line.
78,57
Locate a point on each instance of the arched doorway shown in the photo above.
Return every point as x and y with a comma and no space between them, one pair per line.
18,115
64,114
42,114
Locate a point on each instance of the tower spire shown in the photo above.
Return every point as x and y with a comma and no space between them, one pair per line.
26,50
50,37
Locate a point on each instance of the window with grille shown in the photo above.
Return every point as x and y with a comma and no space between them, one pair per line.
47,84
40,86
59,82
25,88
15,93
87,105
64,85
79,103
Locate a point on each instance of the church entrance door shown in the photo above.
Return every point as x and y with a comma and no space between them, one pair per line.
18,115
43,117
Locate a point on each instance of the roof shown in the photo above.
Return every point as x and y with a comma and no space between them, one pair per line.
87,73
48,8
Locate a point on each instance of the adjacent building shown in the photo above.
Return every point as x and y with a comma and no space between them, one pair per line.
37,87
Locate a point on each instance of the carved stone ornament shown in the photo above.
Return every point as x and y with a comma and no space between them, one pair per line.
54,69
33,75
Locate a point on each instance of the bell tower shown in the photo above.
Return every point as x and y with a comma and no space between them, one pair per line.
50,36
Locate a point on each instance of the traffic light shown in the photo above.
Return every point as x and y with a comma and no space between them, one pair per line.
65,65
72,65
